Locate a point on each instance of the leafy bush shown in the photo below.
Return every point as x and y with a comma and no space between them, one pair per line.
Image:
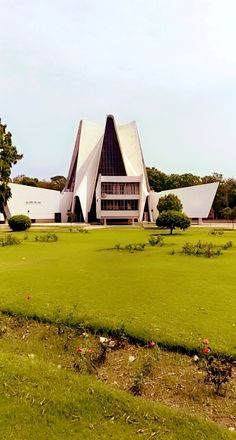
218,370
156,240
205,249
9,241
81,230
201,249
130,247
143,372
227,245
19,222
46,238
216,232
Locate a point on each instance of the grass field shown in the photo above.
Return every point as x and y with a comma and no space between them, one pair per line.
173,299
155,294
38,401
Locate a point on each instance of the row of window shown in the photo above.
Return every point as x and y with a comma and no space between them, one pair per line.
120,188
119,205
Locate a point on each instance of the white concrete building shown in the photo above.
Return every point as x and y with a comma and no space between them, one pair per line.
107,178
196,200
107,183
37,203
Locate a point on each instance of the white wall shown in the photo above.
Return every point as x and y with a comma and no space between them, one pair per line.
196,200
65,204
37,203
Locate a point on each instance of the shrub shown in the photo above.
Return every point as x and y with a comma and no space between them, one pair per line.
46,238
81,230
143,372
201,249
205,249
227,245
216,232
19,222
156,241
9,241
218,370
130,247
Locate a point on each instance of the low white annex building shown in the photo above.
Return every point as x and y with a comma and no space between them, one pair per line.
107,183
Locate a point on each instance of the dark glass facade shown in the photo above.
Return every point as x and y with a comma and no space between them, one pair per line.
111,162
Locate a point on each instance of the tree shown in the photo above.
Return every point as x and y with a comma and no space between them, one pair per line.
169,203
8,157
173,219
226,213
58,183
24,180
157,179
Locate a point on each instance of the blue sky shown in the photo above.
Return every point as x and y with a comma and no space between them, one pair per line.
168,64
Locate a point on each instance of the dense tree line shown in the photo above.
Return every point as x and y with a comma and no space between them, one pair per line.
224,205
57,182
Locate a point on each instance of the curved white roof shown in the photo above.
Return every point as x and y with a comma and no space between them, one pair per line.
196,200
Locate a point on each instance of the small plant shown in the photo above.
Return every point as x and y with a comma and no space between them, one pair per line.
218,371
46,238
19,222
84,363
227,245
144,371
156,240
216,232
201,249
205,249
80,230
9,240
137,247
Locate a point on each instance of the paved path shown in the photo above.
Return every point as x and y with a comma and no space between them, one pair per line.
35,226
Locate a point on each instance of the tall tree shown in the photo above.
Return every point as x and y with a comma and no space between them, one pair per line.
8,157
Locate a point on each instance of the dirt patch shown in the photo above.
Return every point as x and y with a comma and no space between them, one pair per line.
173,379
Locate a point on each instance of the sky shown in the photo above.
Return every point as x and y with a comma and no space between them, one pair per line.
170,65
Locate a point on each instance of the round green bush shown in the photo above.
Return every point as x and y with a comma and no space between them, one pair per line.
19,222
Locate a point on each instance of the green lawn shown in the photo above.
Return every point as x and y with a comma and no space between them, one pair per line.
39,401
173,299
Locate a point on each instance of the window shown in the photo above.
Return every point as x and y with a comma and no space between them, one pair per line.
119,205
120,188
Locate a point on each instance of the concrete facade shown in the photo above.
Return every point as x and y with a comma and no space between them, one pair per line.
107,182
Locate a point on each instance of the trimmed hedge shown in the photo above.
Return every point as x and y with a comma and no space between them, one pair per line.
19,222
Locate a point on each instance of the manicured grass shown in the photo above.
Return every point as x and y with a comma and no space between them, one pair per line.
39,401
173,299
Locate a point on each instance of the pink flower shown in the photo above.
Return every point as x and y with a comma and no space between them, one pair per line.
151,344
205,341
206,350
91,350
79,350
